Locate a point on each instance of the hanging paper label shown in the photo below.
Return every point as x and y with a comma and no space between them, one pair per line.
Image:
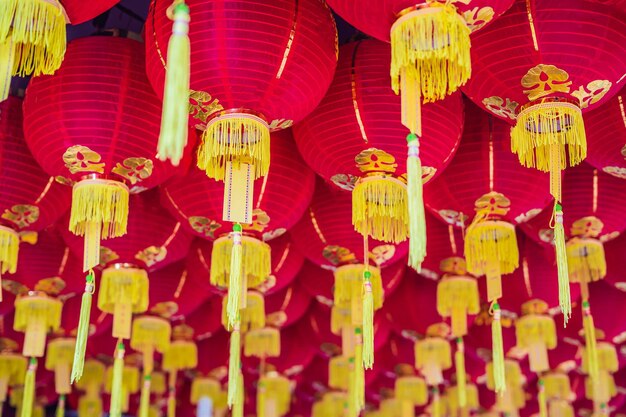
4,387
347,341
270,407
122,320
432,373
62,379
238,193
357,311
538,357
91,250
35,339
494,282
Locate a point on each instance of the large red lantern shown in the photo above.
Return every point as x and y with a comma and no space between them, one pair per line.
289,55
353,140
30,200
606,130
69,128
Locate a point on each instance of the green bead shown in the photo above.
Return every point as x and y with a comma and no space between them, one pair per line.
558,207
237,227
411,137
367,274
181,8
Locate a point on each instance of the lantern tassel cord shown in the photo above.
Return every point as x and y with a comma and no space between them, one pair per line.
591,349
116,384
417,219
359,376
144,400
459,365
235,279
174,129
234,365
561,260
238,407
29,389
497,349
83,327
60,411
368,322
543,403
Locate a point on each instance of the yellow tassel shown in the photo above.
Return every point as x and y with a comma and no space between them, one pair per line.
235,282
250,318
411,389
93,378
435,406
150,334
536,333
591,352
339,373
7,61
586,261
432,356
543,404
82,332
60,411
368,321
238,406
497,349
458,296
117,382
37,29
144,400
36,315
262,343
353,395
9,249
235,137
182,354
234,364
205,387
29,388
171,403
99,211
123,291
544,125
349,286
359,376
174,129
459,365
12,373
90,406
562,264
59,360
256,261
380,208
417,219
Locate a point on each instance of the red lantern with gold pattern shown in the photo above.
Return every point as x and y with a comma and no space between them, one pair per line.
94,124
30,200
606,136
355,139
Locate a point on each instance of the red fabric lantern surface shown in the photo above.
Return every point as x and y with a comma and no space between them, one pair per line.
606,136
579,193
29,198
80,11
174,292
287,306
206,320
376,17
279,199
614,251
584,40
443,241
360,112
215,350
97,115
154,239
325,234
281,56
484,163
286,263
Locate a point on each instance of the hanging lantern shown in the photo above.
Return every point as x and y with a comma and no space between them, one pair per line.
121,389
560,408
470,397
433,354
36,314
181,355
513,398
548,86
92,380
12,369
90,406
30,200
276,86
605,127
373,164
557,386
339,373
205,387
262,343
59,360
273,395
457,295
411,390
332,404
73,142
536,332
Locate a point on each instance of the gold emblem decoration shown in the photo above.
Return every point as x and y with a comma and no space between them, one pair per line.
618,172
589,226
330,349
80,158
344,181
51,286
90,331
201,106
493,204
14,287
204,226
376,161
64,181
382,253
428,173
8,345
280,124
22,215
453,217
592,93
268,284
107,256
544,80
273,234
276,319
501,107
478,17
260,220
535,306
546,235
453,265
524,217
137,189
438,330
151,255
134,169
165,309
609,236
338,255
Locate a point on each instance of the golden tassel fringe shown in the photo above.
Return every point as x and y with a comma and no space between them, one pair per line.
83,328
590,357
117,389
36,316
256,261
458,296
235,137
339,373
359,372
349,285
29,389
182,354
236,280
459,365
104,202
497,348
250,318
234,365
435,406
262,343
543,125
380,208
238,406
562,263
368,321
586,261
150,334
417,217
411,389
543,403
9,250
144,399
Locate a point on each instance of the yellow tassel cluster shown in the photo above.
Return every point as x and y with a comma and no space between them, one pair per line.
359,372
602,389
488,242
349,285
35,316
12,372
274,388
380,208
144,399
29,389
415,193
432,356
590,355
121,382
339,373
182,354
585,259
536,333
461,378
104,202
205,387
262,343
238,406
561,408
411,389
251,317
454,396
541,126
562,262
89,406
9,249
256,261
497,348
93,377
557,386
59,359
457,296
234,365
150,334
235,137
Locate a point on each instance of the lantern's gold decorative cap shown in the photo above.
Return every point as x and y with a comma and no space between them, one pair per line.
492,204
182,332
438,330
453,265
600,335
404,369
589,226
51,286
535,306
8,345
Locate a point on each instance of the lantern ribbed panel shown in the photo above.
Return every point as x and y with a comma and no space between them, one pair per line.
331,136
581,37
439,245
294,301
207,319
238,50
42,260
173,284
99,98
606,136
149,224
328,222
284,197
23,181
467,177
80,11
375,17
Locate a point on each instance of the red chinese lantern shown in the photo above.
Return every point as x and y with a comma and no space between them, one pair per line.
558,71
30,200
356,117
287,306
68,126
290,55
606,129
79,11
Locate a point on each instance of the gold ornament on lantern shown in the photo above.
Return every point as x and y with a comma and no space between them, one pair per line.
433,354
536,333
